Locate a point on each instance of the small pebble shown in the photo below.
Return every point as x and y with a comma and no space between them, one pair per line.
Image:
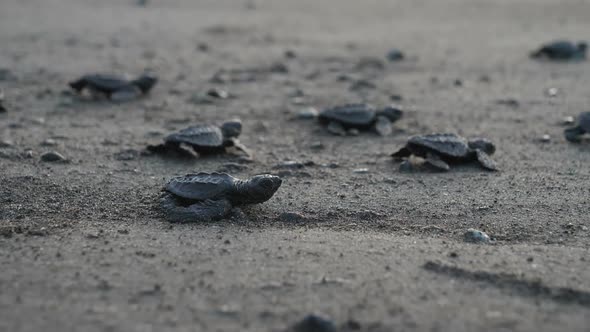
291,217
317,145
126,155
395,55
552,92
476,236
353,132
361,171
545,138
290,54
52,156
568,120
307,113
218,93
203,47
49,142
290,164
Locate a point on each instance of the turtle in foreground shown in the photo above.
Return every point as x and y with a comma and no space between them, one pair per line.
115,87
561,50
2,108
440,150
211,196
204,139
339,119
581,127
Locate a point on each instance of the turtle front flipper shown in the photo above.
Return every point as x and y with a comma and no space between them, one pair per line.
485,161
336,128
78,85
206,210
383,126
434,162
574,134
236,144
402,153
125,94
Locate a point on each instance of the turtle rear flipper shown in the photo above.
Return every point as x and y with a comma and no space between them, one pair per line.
126,94
179,150
573,134
434,162
485,161
402,153
201,211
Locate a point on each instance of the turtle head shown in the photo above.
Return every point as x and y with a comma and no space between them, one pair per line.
145,82
390,112
260,188
231,128
582,46
482,144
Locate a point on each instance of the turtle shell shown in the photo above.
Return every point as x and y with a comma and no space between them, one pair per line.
202,186
200,136
350,116
449,145
105,83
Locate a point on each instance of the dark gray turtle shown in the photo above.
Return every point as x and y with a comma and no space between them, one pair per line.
439,150
360,117
115,87
210,196
581,127
561,50
204,139
2,108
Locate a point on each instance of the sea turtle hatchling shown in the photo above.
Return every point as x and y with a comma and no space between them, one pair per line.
359,117
115,87
582,126
561,50
204,139
211,196
439,150
2,108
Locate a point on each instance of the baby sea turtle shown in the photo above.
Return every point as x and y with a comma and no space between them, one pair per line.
561,50
204,139
581,127
115,87
359,117
2,108
210,196
439,150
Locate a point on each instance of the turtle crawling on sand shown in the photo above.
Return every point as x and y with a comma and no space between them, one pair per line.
115,87
440,150
211,196
359,117
2,108
581,127
561,50
204,139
